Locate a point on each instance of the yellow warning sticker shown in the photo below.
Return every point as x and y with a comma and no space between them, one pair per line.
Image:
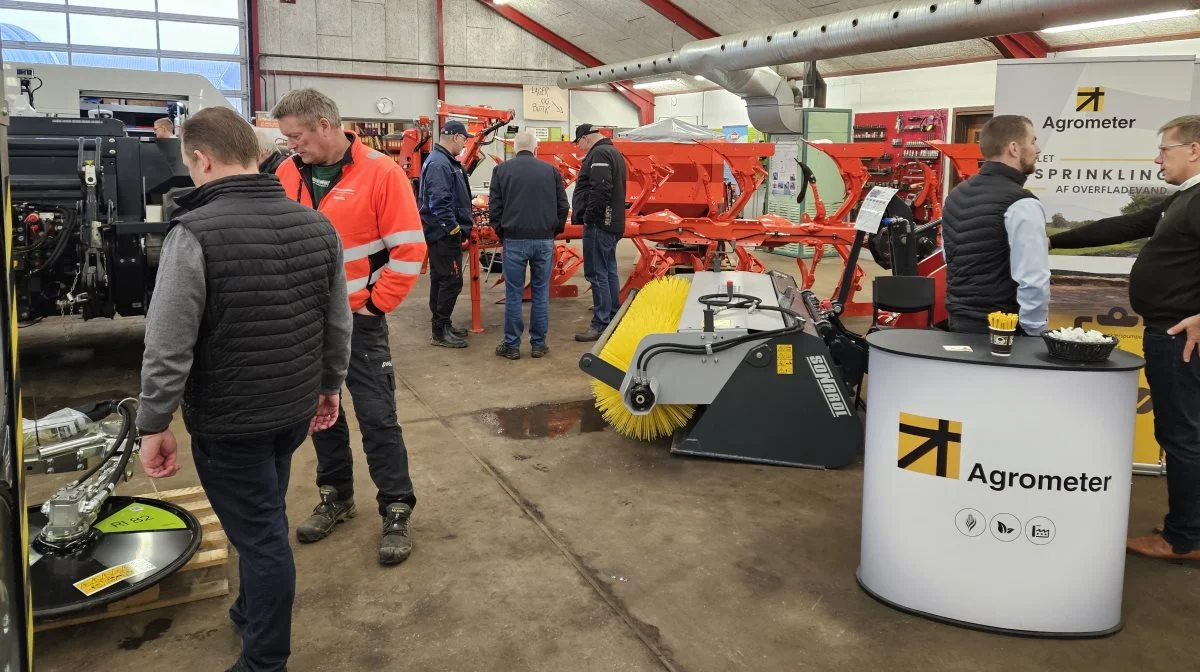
783,359
113,575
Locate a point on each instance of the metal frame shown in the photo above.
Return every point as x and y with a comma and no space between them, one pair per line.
242,57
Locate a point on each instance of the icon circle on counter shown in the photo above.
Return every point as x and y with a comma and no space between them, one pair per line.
1040,530
970,522
1005,527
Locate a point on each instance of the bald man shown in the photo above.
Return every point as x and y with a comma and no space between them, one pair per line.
528,208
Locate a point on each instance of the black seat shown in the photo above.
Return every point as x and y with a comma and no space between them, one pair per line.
902,294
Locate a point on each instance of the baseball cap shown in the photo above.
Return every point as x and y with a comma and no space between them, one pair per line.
584,129
455,128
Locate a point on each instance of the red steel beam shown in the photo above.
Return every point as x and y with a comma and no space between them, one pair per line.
441,78
680,17
640,99
1020,45
252,29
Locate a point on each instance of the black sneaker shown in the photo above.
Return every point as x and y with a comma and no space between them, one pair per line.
448,340
326,516
540,350
458,331
239,666
507,352
395,546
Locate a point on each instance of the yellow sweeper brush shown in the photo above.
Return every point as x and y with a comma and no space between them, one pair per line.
655,309
729,364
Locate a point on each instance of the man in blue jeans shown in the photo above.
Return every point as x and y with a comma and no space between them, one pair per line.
599,205
527,207
249,328
1164,288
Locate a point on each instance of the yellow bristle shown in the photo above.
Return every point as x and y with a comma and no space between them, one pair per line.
656,309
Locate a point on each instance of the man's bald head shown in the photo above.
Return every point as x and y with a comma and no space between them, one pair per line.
525,142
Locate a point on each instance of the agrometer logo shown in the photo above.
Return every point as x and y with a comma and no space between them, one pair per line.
1089,99
930,445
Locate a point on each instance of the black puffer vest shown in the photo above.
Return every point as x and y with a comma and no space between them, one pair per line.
268,265
978,275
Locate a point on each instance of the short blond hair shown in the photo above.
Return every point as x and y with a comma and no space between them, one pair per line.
1187,128
309,106
164,122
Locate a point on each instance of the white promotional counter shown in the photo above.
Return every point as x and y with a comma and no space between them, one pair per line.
996,489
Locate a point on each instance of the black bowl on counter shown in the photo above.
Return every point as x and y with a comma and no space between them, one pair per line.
1075,351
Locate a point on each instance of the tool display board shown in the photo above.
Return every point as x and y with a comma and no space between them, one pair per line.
904,132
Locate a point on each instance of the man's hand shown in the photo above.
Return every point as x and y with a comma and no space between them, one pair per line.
158,455
1192,326
327,413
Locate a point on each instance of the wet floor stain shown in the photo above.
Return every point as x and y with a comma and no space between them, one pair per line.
545,420
154,629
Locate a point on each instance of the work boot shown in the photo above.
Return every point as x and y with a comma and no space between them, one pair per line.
447,339
507,352
395,546
326,516
461,332
589,335
540,350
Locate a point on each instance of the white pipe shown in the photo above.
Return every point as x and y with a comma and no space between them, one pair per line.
895,25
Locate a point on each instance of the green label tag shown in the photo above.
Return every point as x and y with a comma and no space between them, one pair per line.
139,517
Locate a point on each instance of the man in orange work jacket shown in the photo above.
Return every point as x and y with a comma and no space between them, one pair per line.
371,204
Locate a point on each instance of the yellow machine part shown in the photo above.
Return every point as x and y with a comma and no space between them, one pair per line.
656,309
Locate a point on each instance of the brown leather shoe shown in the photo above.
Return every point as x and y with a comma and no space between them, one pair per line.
1154,546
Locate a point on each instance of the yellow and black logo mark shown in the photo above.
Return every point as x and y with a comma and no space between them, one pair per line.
1089,99
929,445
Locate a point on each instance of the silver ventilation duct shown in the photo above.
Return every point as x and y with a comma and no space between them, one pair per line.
737,62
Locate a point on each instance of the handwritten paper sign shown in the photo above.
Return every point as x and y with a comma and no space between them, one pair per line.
547,103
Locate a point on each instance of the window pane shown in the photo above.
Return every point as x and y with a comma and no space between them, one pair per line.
200,37
29,26
236,102
142,5
226,9
111,61
223,74
35,56
113,31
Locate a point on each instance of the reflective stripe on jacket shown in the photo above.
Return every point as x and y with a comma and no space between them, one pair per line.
373,208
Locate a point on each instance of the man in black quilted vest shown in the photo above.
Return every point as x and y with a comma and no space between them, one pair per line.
994,232
249,328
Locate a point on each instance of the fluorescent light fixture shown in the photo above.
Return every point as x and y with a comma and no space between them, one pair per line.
1177,14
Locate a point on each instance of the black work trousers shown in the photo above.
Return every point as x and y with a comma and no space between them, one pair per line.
372,383
445,279
246,480
1175,393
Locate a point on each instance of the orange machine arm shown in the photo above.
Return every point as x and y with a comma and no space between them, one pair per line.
482,122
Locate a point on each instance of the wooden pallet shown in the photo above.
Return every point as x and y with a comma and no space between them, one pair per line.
203,577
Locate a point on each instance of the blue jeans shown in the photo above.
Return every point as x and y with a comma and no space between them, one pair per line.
1175,393
246,480
600,269
538,255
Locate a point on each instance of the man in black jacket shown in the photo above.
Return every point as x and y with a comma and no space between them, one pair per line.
599,205
994,232
445,202
250,328
527,207
1164,288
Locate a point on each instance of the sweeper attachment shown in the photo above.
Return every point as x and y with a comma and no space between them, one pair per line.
733,365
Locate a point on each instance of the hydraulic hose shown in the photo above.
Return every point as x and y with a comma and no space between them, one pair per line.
127,432
682,348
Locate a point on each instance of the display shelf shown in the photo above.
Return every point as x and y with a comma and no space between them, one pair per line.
906,132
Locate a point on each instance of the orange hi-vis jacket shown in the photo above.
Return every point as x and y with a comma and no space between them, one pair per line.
373,208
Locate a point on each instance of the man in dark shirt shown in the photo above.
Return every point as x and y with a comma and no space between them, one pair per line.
1164,288
248,280
599,205
527,207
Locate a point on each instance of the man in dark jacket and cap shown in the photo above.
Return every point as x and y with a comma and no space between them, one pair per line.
249,328
445,202
599,205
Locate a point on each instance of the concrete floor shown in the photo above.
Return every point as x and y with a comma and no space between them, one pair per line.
546,542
